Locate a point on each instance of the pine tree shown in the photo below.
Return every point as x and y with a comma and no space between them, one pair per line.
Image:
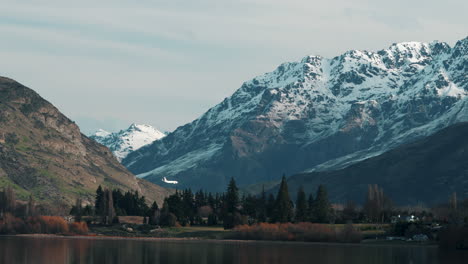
78,210
189,209
283,211
98,201
322,207
232,197
262,207
231,202
301,206
167,218
155,214
271,207
310,205
350,211
175,205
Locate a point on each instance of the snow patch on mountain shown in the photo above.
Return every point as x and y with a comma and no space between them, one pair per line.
189,160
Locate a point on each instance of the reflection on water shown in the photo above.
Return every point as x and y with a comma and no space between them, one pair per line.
74,250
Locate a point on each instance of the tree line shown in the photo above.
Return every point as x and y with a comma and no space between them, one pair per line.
230,209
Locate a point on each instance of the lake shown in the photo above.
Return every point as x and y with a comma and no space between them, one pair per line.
51,250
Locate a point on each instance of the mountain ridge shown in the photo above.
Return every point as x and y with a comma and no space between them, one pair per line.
426,171
315,112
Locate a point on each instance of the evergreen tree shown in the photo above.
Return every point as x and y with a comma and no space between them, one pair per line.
175,205
188,208
78,210
88,210
212,201
322,207
167,218
250,206
270,207
301,206
310,208
283,211
232,197
200,199
231,201
98,201
262,207
350,213
154,215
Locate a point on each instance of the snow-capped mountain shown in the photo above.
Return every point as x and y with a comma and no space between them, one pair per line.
125,141
317,113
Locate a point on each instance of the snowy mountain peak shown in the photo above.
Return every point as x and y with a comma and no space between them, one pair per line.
125,141
101,133
316,112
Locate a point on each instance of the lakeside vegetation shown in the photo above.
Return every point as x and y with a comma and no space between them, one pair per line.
226,215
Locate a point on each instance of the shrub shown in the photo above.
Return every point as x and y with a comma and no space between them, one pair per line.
297,232
11,225
349,234
47,225
79,228
232,220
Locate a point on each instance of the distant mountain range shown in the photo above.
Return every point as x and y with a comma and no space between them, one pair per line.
315,114
426,171
44,154
125,141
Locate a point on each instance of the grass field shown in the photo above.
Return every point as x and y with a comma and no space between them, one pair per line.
131,230
208,232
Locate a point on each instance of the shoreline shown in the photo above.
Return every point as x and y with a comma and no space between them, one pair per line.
365,243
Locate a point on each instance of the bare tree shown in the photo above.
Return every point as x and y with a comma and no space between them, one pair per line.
107,204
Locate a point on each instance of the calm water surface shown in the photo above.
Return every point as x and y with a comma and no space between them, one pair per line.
74,250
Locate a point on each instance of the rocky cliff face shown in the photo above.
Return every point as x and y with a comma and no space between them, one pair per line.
125,141
43,153
315,114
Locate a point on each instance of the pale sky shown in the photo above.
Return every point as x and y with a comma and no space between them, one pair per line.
109,63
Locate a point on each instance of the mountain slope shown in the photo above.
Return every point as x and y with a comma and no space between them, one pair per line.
125,141
315,114
428,170
43,153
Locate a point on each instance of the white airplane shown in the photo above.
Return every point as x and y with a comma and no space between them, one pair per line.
171,182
